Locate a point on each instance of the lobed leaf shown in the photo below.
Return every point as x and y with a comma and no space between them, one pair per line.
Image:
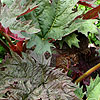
42,45
71,40
50,19
92,86
32,78
88,27
93,90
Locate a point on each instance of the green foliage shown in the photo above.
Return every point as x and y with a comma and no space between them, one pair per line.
79,92
88,27
92,36
84,8
93,39
70,40
98,24
2,50
50,20
60,22
93,90
97,2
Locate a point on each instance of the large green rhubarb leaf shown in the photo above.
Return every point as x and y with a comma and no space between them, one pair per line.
56,20
53,17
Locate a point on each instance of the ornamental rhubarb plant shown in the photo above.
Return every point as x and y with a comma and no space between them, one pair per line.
35,26
39,21
31,78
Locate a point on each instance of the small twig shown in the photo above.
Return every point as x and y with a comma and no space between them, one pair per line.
87,73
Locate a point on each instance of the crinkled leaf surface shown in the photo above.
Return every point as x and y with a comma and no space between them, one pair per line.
8,16
34,79
56,19
53,17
